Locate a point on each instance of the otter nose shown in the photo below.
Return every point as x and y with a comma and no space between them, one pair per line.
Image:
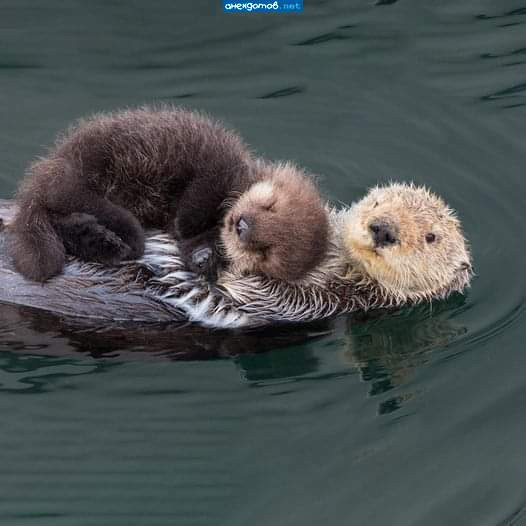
243,228
383,234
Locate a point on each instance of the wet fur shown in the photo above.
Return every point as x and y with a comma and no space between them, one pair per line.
113,174
344,281
289,226
339,284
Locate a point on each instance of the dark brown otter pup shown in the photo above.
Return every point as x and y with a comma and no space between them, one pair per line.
113,174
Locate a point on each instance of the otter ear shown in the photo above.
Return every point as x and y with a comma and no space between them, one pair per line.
465,266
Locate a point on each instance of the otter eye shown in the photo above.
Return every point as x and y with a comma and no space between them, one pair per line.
430,237
375,204
242,228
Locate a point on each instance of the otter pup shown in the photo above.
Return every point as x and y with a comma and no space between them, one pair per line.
113,174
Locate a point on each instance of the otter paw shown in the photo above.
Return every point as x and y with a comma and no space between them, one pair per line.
136,247
201,257
204,263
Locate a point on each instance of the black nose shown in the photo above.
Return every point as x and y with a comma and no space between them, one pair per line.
383,233
242,228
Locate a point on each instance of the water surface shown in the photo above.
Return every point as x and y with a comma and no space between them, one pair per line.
414,418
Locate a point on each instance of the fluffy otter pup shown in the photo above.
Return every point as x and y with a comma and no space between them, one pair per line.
272,228
113,174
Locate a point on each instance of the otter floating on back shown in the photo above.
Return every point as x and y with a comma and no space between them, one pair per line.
399,244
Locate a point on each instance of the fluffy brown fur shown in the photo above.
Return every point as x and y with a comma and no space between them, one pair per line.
112,174
287,226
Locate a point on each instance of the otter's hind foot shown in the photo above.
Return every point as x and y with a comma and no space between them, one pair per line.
124,224
88,240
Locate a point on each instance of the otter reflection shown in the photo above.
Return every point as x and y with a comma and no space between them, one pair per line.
387,349
34,331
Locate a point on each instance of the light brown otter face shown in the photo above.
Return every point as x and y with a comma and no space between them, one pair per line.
279,227
409,241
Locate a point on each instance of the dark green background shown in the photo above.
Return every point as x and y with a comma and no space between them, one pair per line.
412,418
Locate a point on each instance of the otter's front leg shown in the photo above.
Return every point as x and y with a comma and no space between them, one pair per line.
201,255
199,219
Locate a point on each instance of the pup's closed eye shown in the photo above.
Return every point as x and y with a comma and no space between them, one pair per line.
270,207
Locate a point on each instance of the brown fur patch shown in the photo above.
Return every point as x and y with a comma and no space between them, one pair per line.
288,225
166,168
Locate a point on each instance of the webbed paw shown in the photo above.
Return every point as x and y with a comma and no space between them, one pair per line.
203,261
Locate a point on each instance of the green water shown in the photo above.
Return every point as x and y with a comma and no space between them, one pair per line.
414,418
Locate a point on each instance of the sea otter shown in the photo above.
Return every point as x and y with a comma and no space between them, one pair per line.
400,244
169,168
381,254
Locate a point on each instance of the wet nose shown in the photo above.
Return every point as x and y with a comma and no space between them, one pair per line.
383,234
243,228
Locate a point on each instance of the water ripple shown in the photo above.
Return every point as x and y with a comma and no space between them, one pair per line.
285,92
514,12
514,91
326,37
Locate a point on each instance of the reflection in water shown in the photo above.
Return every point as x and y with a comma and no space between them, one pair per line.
41,332
33,373
386,348
389,351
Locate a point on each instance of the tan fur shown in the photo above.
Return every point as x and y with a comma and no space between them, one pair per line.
411,268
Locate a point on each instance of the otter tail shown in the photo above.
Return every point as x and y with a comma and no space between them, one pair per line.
37,251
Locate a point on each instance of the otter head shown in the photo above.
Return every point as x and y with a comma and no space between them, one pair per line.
278,227
409,241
